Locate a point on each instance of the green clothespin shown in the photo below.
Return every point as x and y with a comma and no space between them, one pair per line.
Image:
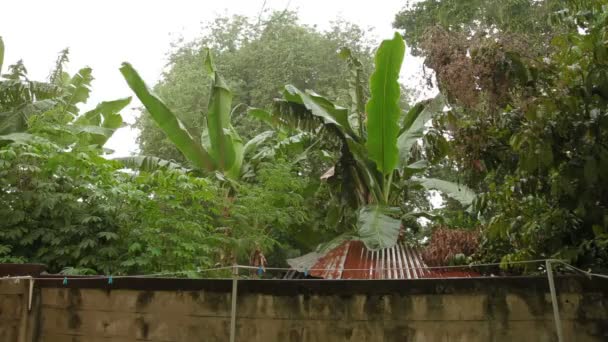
65,281
110,280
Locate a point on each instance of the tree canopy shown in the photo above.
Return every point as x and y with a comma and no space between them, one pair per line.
256,57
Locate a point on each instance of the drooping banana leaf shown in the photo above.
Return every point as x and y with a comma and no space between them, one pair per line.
218,119
356,90
256,141
168,122
414,123
22,138
376,228
383,107
459,192
149,164
367,180
320,109
16,120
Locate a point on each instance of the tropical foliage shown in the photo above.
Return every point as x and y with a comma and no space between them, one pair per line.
270,211
374,168
527,125
515,143
256,57
220,148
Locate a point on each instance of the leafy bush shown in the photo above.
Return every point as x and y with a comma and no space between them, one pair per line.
77,209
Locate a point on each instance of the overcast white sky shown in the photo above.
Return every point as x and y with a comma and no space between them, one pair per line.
103,33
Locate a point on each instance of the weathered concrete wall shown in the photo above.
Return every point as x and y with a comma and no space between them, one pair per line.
11,308
491,309
14,315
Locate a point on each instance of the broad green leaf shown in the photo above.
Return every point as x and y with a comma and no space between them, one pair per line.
167,121
264,116
383,107
78,90
205,141
364,171
16,120
109,111
256,141
21,138
320,107
95,130
237,145
1,54
149,164
416,167
356,90
218,119
412,115
459,192
376,228
414,125
335,242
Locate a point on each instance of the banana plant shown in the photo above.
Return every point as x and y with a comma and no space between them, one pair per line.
30,108
375,163
220,149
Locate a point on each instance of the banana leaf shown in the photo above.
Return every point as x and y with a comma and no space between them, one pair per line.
168,122
376,228
383,109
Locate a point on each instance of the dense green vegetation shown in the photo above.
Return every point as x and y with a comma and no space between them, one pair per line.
256,60
242,162
527,121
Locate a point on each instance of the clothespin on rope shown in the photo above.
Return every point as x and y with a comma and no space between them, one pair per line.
110,280
65,281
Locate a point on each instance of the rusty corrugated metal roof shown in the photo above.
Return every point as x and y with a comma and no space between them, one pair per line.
352,260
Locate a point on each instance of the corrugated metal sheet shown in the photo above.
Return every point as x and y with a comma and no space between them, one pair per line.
352,260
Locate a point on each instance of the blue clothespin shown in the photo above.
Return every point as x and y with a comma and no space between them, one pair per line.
65,280
110,280
306,272
260,271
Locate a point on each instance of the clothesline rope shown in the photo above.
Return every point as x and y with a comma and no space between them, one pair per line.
307,271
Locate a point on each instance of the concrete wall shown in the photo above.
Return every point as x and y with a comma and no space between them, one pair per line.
489,309
14,314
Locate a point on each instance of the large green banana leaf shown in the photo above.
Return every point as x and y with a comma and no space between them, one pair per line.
256,141
168,122
413,125
376,228
218,120
321,108
459,192
383,109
